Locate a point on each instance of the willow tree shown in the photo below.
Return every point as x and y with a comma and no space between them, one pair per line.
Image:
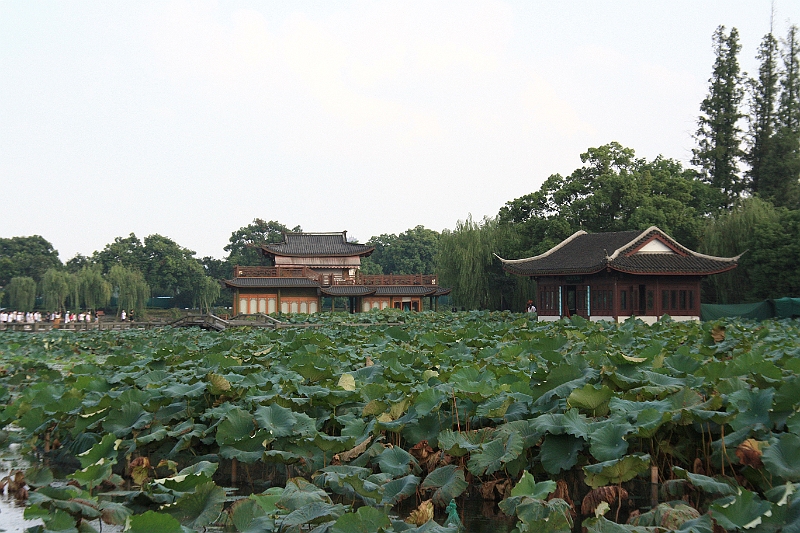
93,288
56,286
207,293
130,287
466,262
21,292
733,233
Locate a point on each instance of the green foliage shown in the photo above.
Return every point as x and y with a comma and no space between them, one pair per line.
21,292
507,396
412,252
26,257
244,246
56,286
94,289
131,289
718,135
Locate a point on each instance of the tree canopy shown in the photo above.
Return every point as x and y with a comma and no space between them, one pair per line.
244,246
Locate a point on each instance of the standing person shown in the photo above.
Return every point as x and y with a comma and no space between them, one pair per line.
122,315
531,307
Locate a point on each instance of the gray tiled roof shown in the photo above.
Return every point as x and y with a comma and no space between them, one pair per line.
405,290
584,253
270,282
316,244
348,290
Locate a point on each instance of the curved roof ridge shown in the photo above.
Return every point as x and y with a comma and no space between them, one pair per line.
548,252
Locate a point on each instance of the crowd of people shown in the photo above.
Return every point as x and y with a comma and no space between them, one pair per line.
30,317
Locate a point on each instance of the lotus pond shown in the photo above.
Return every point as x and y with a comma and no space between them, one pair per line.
404,421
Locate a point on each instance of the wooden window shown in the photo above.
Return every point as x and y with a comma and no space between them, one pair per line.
665,300
650,300
623,299
691,299
682,299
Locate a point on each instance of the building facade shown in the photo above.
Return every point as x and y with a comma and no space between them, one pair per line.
307,267
616,275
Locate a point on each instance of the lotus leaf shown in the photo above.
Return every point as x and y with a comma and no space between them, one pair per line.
237,425
616,471
276,420
152,521
365,519
200,507
106,449
782,459
314,512
347,382
131,416
396,461
607,442
745,510
527,486
448,483
428,400
753,408
299,493
399,489
593,399
560,452
493,455
705,483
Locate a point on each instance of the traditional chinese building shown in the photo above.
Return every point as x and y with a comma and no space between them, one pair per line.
307,267
616,275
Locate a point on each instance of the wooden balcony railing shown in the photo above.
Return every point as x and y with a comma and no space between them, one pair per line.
334,279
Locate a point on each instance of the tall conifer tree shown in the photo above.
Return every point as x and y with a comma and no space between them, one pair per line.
718,135
780,182
763,97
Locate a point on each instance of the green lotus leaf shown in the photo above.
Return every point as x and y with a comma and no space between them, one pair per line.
608,442
703,524
396,461
399,489
428,400
299,493
398,334
151,521
706,483
276,420
782,459
127,418
94,474
527,486
59,522
38,476
200,507
448,482
493,455
314,512
184,390
424,428
455,443
494,407
248,449
243,514
114,513
595,400
648,422
682,363
237,425
153,435
616,471
753,408
560,452
601,524
106,450
743,511
546,516
365,520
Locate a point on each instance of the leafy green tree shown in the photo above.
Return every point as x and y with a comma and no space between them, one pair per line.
77,263
412,252
767,238
612,191
763,95
466,263
171,270
94,289
21,291
207,293
130,287
56,286
244,247
126,251
26,257
718,136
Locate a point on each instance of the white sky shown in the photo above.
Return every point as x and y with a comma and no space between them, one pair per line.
190,119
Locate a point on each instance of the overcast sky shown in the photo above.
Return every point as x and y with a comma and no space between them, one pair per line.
190,119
